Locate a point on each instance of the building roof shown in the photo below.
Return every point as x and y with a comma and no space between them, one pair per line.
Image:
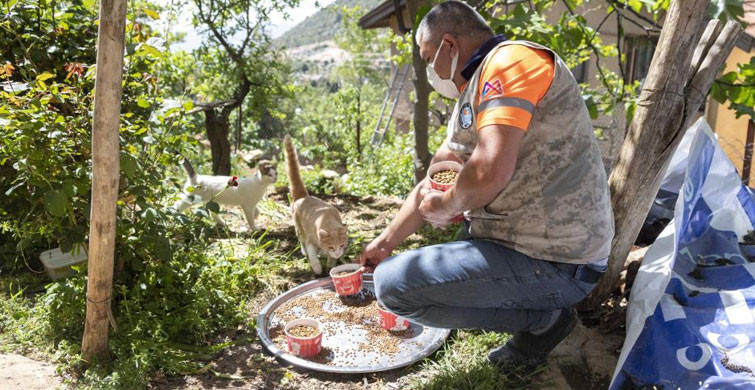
749,17
746,41
380,16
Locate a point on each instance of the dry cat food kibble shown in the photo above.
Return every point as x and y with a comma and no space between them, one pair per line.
344,273
352,335
445,177
303,331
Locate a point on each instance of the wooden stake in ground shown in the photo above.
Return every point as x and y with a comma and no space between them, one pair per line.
422,91
688,58
107,108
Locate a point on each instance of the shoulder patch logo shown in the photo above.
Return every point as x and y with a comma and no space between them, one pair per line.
465,116
491,89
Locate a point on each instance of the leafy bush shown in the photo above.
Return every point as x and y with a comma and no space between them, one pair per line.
174,288
388,170
167,314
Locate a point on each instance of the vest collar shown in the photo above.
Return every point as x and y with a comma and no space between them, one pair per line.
474,62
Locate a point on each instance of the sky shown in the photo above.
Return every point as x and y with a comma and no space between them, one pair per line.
279,23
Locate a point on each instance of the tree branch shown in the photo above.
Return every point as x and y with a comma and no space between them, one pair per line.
619,36
623,6
217,33
594,49
647,29
600,25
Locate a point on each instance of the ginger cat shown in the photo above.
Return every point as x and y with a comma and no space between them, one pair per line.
318,224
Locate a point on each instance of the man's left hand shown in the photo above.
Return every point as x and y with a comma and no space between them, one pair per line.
434,207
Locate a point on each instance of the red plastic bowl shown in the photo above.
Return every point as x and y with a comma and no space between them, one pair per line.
348,284
444,166
392,322
304,346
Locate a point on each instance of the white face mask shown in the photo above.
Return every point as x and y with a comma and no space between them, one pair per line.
445,87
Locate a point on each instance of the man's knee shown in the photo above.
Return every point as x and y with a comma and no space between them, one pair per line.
392,282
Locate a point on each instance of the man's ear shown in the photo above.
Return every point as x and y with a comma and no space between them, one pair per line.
452,43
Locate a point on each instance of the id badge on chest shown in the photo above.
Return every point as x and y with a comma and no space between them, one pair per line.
461,130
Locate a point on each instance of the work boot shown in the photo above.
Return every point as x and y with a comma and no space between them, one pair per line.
529,350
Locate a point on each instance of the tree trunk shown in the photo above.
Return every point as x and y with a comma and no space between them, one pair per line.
684,66
421,95
107,108
218,129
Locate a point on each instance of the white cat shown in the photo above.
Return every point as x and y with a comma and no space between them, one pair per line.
245,192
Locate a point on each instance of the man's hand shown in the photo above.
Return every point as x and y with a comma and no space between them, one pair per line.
374,253
435,208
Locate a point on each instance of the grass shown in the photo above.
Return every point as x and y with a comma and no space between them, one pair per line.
462,365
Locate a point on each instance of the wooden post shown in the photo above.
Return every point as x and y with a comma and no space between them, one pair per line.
747,161
688,58
422,90
107,108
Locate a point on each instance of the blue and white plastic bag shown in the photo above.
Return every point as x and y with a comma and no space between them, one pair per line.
691,314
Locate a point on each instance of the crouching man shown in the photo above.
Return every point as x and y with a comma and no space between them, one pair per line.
533,191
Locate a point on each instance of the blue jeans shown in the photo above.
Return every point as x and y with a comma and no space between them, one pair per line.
477,284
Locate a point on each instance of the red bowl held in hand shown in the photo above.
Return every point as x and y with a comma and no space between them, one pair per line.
349,283
392,322
304,346
442,166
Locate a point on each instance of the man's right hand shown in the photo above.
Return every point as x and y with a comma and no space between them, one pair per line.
408,221
375,252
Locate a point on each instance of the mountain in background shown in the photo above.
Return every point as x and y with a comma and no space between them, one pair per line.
321,26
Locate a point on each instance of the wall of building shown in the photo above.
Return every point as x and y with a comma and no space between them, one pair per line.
732,132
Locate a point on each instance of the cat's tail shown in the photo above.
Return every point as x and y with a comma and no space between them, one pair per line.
190,171
295,183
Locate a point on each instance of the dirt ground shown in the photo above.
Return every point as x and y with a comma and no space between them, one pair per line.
21,373
584,361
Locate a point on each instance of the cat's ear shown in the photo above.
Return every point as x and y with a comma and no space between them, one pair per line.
322,233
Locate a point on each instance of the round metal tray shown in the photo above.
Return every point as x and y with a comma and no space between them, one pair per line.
419,343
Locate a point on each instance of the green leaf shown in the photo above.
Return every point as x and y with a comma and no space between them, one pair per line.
129,165
630,108
56,203
66,245
162,249
214,207
151,13
188,105
142,102
149,214
726,9
70,188
151,50
45,76
592,108
718,93
729,77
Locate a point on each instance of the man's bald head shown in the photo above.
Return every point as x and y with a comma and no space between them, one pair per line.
455,18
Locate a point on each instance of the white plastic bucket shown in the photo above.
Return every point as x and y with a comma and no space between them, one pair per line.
58,264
